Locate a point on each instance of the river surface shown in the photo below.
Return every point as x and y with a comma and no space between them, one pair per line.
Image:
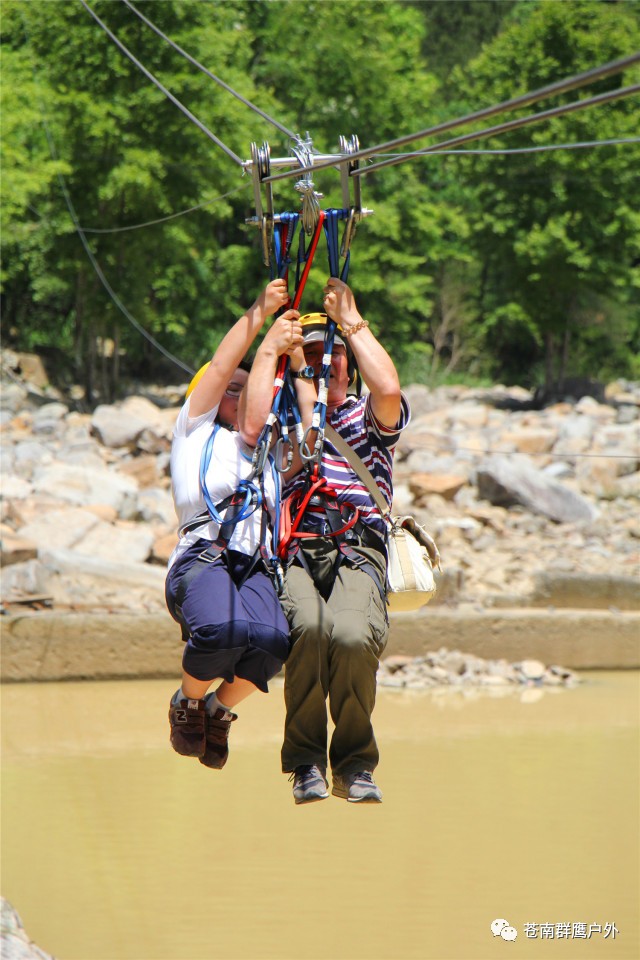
517,808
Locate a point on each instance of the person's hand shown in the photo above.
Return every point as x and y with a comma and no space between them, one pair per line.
339,303
285,334
298,361
274,296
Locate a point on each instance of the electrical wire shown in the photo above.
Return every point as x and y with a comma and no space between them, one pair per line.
509,125
539,149
200,66
172,216
161,87
560,86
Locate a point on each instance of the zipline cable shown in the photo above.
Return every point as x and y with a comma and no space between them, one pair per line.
560,86
172,216
200,66
509,125
161,87
507,150
94,263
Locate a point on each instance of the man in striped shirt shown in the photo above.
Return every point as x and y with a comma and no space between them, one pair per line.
334,598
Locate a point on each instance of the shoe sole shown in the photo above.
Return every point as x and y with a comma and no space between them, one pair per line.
345,796
301,800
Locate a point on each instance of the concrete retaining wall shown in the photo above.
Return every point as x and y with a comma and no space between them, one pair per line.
62,646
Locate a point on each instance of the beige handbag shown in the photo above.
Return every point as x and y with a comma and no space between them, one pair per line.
412,553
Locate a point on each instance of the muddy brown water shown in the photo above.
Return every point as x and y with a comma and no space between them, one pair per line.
521,808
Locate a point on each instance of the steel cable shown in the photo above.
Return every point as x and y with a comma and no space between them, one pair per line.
504,127
171,216
507,150
560,86
161,87
200,66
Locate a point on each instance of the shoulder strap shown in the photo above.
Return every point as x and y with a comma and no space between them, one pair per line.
356,462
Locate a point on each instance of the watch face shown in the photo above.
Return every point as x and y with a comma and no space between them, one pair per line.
306,373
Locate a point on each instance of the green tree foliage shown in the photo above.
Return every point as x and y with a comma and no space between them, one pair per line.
470,265
557,233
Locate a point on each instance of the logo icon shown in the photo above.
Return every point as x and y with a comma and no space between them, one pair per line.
502,928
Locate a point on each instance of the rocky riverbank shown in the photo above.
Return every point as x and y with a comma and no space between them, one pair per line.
530,507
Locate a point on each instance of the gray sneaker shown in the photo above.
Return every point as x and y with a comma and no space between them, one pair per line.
309,783
357,788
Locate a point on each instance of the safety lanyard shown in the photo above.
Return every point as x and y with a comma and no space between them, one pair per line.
319,416
245,501
284,407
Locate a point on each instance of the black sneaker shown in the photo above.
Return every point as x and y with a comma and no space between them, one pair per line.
309,783
186,718
217,726
357,788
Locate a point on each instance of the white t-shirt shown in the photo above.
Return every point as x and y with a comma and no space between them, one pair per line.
230,463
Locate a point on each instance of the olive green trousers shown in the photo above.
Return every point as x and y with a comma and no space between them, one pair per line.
339,629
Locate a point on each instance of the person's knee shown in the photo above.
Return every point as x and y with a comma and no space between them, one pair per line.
356,637
220,636
270,640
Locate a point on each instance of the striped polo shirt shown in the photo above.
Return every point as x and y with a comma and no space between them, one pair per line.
374,443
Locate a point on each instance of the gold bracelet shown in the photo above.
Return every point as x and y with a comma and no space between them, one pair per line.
349,331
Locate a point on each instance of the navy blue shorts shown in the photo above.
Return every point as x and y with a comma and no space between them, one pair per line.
234,631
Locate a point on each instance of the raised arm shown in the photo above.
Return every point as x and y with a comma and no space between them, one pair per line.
376,366
233,347
285,336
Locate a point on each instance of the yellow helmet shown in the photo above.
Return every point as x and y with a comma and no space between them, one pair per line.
313,327
197,378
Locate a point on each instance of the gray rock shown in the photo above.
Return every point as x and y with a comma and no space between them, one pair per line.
49,418
507,482
28,578
114,429
15,943
86,485
13,397
133,575
531,669
118,544
60,529
156,506
29,454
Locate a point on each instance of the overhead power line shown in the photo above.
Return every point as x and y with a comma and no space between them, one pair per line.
560,86
504,127
161,87
200,66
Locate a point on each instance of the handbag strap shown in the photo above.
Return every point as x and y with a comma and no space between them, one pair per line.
358,465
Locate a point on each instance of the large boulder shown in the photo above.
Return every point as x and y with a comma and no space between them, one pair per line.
506,483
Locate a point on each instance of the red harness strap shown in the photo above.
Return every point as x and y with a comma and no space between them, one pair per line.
293,510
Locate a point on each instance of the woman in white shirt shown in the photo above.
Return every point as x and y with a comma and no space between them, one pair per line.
217,586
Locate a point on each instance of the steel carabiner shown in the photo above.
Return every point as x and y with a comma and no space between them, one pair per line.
305,454
278,457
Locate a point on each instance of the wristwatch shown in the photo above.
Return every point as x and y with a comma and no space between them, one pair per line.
307,373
